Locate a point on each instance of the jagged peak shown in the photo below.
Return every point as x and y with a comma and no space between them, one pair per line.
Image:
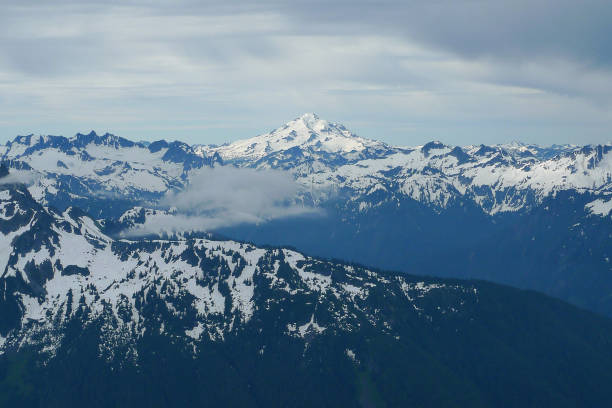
109,139
31,139
91,133
433,145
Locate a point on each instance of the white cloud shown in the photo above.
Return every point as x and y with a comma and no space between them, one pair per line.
227,196
20,177
207,72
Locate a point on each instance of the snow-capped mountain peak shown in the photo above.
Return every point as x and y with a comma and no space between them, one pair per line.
306,132
310,118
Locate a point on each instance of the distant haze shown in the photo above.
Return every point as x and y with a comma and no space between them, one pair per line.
405,72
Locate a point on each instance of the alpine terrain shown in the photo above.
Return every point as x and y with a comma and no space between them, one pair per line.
92,320
528,216
114,292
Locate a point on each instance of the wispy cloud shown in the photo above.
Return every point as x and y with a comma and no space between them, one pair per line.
227,196
15,176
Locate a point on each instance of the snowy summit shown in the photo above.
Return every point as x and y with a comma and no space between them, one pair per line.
307,132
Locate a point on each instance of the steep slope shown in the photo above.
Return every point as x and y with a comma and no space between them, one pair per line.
196,321
557,248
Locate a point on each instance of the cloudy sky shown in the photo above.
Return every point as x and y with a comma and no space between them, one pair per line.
460,71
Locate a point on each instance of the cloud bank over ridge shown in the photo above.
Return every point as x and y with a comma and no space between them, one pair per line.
227,196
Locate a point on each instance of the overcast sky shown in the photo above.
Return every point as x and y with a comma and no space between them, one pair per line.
406,72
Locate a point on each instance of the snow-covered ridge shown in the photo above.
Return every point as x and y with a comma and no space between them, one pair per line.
492,177
91,165
191,289
499,178
324,157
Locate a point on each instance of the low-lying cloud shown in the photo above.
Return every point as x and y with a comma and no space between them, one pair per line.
227,196
20,177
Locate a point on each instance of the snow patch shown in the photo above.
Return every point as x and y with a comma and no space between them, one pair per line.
599,207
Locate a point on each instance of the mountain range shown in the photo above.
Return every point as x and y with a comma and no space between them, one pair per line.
525,215
301,309
328,157
88,319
